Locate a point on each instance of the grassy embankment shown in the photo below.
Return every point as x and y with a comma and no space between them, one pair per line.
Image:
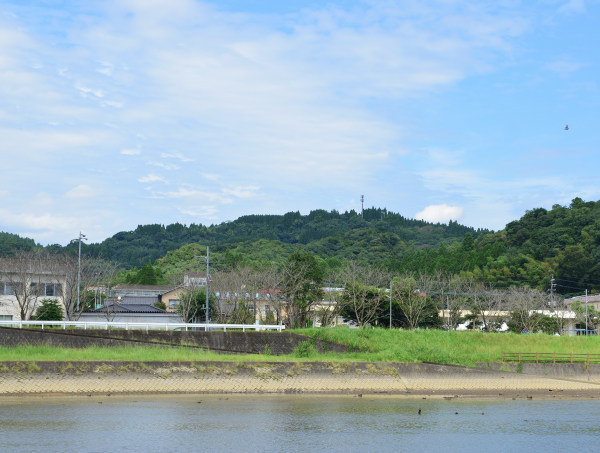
373,345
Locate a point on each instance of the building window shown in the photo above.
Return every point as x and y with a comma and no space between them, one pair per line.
50,290
6,317
173,303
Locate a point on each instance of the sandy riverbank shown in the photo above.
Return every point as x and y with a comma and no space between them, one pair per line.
398,379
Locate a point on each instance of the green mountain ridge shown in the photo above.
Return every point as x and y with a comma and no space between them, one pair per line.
563,242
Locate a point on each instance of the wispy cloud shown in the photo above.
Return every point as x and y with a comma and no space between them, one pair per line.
81,191
247,110
131,152
563,67
178,156
152,178
242,192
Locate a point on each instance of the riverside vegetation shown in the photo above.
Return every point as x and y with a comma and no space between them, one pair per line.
368,345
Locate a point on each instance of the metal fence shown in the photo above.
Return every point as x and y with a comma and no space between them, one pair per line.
139,325
549,357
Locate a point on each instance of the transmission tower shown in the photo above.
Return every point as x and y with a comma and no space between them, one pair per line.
362,206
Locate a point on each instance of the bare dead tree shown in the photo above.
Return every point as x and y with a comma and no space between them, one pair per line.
560,312
486,303
221,284
525,306
329,309
411,299
362,296
272,286
95,273
27,275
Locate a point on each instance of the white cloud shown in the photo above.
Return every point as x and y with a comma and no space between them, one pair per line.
198,195
572,7
165,166
249,107
441,213
38,222
152,178
242,192
179,156
206,211
81,191
85,91
563,67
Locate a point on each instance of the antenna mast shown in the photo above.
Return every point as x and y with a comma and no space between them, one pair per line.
362,206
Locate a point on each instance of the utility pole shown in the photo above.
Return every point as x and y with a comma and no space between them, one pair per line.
552,286
207,277
586,313
206,307
81,236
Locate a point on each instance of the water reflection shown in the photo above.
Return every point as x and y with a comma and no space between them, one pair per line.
293,423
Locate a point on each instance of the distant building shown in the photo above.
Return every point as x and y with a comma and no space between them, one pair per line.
24,283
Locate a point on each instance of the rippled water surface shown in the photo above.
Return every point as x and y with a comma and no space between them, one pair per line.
294,423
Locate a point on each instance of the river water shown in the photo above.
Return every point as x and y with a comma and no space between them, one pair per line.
277,423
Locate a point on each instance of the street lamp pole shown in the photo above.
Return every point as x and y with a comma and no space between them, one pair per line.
81,236
207,268
206,307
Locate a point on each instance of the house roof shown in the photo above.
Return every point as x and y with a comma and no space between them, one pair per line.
142,300
131,308
127,287
195,274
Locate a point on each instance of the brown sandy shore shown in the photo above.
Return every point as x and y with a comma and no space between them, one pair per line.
411,380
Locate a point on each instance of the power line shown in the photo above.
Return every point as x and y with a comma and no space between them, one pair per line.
590,282
572,287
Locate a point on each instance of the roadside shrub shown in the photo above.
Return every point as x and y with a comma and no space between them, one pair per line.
305,349
49,310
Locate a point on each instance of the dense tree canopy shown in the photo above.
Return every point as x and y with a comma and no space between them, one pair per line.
563,242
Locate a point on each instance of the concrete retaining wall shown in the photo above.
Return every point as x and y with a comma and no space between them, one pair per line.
555,370
232,342
408,379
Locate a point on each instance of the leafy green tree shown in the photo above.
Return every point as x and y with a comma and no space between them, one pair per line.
363,296
241,314
192,305
48,310
590,314
147,275
92,300
574,264
302,286
468,243
270,318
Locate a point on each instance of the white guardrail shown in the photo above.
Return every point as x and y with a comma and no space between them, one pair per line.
139,325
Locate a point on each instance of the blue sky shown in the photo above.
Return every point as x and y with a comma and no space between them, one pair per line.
120,113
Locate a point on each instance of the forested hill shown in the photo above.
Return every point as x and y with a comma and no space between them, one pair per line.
563,242
11,243
328,234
